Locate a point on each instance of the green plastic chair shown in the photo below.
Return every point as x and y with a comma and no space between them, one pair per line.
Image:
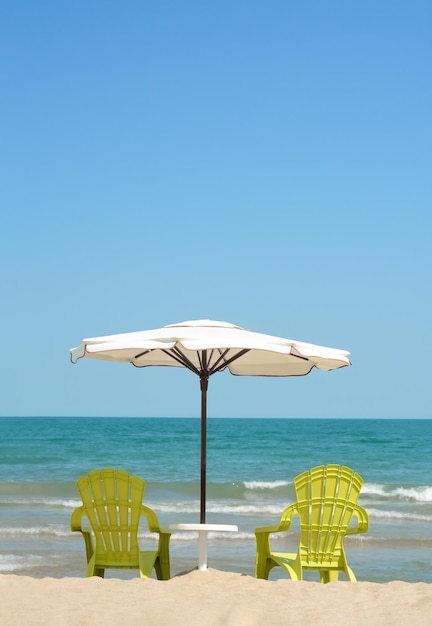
112,504
326,503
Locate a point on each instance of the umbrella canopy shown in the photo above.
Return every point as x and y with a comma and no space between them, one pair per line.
206,347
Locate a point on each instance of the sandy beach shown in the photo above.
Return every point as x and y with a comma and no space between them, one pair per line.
211,598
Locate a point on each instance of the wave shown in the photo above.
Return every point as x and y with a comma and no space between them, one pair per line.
178,505
248,498
274,510
14,562
51,531
414,517
143,534
266,484
232,509
239,508
181,536
417,494
399,542
42,502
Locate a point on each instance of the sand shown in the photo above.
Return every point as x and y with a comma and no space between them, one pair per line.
210,598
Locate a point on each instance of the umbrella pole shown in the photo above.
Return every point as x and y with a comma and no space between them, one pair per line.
204,386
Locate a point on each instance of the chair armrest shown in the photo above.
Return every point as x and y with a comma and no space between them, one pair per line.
152,521
264,561
76,525
362,521
76,519
284,522
267,529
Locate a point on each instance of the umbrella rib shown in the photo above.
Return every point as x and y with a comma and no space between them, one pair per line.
214,367
303,358
218,366
178,356
202,358
137,356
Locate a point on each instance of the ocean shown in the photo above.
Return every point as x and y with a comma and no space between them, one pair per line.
251,464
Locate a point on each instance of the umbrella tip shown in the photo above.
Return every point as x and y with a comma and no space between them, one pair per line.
203,324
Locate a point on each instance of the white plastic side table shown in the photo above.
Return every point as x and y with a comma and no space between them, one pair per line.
203,530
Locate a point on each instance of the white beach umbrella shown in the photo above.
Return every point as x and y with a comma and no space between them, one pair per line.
206,347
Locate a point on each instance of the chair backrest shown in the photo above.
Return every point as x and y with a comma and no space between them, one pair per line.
326,500
112,500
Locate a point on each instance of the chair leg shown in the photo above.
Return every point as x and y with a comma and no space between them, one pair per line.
323,573
162,564
350,574
147,561
93,569
263,567
162,569
329,576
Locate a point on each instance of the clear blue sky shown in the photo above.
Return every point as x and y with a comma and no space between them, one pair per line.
263,163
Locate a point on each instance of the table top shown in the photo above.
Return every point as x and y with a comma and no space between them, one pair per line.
205,527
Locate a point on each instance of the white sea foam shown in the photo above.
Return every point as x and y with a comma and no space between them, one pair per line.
379,514
266,484
181,536
62,503
215,507
373,489
175,507
13,562
9,562
418,494
55,531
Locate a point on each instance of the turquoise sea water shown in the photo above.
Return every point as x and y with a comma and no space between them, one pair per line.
250,467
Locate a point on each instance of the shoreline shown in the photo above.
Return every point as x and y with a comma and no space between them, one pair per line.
213,597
